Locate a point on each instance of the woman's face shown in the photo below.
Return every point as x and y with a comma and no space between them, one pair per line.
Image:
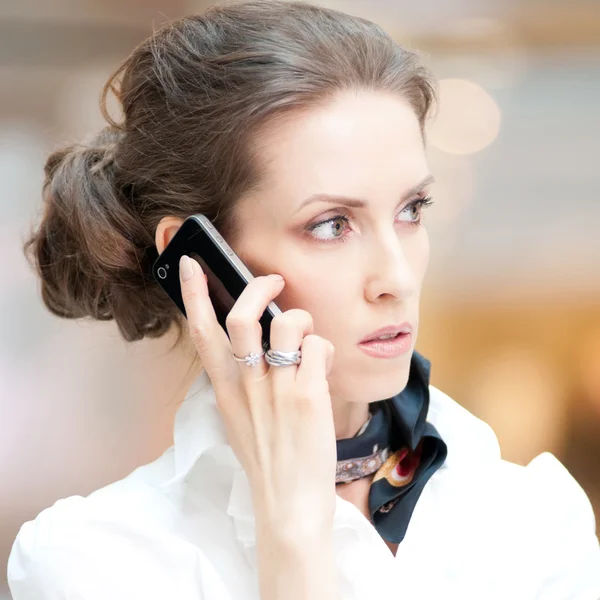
355,261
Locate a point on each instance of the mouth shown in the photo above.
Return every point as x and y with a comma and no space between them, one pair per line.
387,333
388,342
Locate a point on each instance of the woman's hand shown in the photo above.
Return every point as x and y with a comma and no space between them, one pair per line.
278,420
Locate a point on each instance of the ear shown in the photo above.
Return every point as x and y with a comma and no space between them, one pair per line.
165,231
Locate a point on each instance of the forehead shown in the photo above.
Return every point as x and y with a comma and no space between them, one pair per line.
359,143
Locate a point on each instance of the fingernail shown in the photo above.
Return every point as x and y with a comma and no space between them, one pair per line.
277,277
186,269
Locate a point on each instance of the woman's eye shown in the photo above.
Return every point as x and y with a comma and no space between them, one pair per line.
412,212
331,229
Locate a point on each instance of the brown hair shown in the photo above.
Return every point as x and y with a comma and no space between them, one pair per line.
194,96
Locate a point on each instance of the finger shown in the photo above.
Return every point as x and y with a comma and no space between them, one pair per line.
243,324
317,359
287,332
207,335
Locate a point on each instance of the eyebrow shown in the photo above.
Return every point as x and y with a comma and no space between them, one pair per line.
359,203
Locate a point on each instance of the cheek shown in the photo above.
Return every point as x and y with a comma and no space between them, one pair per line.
325,293
416,250
311,283
317,282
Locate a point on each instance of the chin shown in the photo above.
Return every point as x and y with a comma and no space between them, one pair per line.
371,385
385,387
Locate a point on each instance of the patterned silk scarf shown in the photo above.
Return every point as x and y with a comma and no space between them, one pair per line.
400,447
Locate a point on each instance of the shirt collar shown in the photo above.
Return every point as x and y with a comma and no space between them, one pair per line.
199,429
199,426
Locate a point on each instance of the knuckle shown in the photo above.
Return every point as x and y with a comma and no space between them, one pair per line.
313,339
198,335
281,323
300,314
292,319
305,397
237,322
309,395
315,342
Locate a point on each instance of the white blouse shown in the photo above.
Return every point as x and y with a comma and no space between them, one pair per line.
182,527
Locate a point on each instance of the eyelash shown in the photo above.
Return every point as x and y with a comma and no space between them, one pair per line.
419,202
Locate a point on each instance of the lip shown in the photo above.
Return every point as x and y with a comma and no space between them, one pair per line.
402,328
390,348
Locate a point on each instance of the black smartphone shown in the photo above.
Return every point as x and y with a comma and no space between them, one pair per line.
227,275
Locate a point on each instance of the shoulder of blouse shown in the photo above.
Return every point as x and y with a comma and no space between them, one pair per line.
116,543
540,505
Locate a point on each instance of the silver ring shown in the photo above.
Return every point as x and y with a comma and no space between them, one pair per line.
277,358
251,359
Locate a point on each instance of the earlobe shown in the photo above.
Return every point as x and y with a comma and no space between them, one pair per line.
165,231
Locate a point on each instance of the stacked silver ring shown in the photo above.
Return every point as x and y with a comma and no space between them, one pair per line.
277,358
274,357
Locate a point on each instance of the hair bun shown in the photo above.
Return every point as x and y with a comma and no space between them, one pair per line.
89,247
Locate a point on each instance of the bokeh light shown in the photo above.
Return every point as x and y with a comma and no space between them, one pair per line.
468,118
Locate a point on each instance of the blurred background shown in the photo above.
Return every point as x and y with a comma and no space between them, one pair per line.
511,305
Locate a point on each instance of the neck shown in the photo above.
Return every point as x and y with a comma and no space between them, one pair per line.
348,417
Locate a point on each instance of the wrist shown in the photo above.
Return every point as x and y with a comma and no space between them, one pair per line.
298,531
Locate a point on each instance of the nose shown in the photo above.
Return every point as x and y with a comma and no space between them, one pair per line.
390,270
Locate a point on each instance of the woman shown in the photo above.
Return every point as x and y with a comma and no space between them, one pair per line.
299,132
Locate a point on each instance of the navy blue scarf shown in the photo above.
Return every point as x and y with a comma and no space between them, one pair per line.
401,448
